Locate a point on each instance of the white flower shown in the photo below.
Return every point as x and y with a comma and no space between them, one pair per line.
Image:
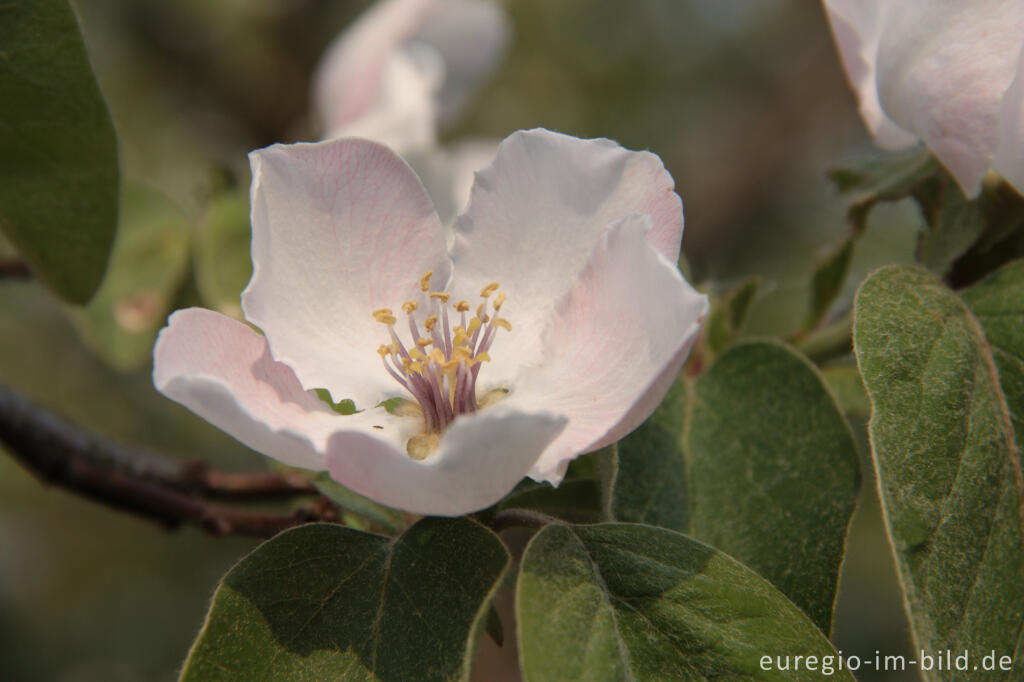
948,72
552,327
405,68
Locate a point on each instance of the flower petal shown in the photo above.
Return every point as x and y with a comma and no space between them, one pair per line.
221,370
346,85
340,229
404,114
470,36
535,216
1010,156
943,68
621,335
480,458
857,27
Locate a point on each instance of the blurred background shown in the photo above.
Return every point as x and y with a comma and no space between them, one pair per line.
745,103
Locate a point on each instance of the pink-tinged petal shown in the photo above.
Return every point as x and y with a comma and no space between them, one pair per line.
620,337
340,228
466,157
1010,156
404,115
534,218
857,28
470,36
943,68
347,82
480,458
221,370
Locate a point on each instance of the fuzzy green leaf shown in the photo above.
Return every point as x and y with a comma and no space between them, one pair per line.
633,602
728,314
946,454
772,471
58,150
577,498
955,225
827,283
324,602
650,475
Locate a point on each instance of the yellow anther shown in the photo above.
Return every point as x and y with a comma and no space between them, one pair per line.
406,363
489,289
462,353
503,323
424,342
485,319
425,281
384,316
437,356
410,306
442,296
451,366
416,367
384,350
474,324
460,339
430,322
393,347
498,300
416,354
481,357
463,306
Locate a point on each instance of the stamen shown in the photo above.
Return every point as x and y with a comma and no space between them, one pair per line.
439,369
384,316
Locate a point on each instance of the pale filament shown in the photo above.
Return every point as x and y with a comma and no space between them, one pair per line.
439,368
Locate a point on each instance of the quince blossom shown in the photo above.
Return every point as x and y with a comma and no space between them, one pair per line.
552,327
948,72
406,68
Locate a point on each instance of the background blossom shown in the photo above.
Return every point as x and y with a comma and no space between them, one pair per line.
950,73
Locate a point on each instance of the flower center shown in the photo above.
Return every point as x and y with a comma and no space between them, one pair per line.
440,367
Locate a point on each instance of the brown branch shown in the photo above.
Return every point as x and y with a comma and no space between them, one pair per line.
196,475
68,456
14,268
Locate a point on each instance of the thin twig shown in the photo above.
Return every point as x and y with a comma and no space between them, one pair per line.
14,268
173,494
